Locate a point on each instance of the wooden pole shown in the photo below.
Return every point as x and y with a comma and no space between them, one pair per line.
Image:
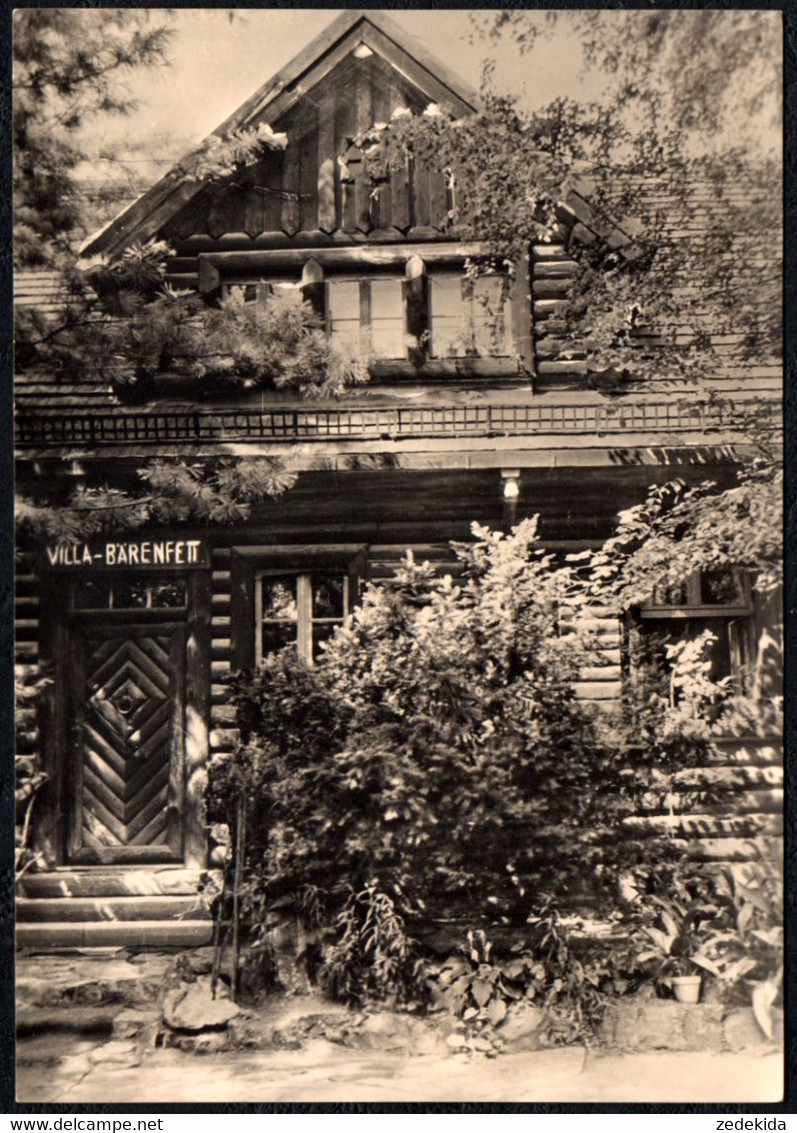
219,942
240,839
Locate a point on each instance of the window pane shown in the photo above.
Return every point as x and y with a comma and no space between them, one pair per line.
91,594
659,634
329,596
450,338
672,595
386,299
322,632
387,338
130,595
387,318
489,317
343,299
279,598
345,337
720,588
168,593
288,292
450,318
343,315
446,296
243,292
276,635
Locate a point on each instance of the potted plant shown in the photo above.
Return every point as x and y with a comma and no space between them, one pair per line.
679,945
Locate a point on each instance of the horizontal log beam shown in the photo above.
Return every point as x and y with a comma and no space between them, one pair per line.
555,269
733,777
213,264
711,825
224,739
722,849
600,673
597,690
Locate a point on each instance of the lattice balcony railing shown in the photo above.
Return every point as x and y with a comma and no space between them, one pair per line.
137,427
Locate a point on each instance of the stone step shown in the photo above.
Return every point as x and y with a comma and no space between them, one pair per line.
54,909
76,1020
138,934
168,881
107,977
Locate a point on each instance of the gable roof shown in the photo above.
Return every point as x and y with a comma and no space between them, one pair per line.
351,29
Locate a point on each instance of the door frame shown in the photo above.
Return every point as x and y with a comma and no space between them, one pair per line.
81,627
54,820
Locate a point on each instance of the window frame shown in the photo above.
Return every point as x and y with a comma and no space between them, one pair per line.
738,619
366,311
114,583
305,621
250,563
694,607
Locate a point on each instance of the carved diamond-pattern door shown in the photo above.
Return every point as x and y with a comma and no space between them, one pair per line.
128,685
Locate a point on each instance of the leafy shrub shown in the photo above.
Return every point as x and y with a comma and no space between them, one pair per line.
725,924
439,746
568,981
372,957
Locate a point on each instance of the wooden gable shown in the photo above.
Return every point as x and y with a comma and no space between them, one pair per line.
318,184
360,71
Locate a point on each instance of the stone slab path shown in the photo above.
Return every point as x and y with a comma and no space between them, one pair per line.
92,1072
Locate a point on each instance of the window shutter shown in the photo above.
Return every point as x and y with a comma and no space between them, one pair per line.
450,322
387,320
313,290
343,320
416,299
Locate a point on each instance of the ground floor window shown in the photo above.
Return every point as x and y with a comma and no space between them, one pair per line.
299,609
715,601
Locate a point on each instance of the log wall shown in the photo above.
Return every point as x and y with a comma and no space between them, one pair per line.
683,221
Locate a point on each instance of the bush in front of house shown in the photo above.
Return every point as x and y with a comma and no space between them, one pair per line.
436,761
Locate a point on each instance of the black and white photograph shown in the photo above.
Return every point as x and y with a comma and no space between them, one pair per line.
399,624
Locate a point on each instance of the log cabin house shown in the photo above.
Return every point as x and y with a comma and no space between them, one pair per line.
140,631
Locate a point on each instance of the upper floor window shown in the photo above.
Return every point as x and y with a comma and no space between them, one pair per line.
436,315
467,317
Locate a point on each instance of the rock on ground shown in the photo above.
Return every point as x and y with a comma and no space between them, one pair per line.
191,1007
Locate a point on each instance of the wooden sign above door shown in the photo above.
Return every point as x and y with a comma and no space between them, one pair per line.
139,553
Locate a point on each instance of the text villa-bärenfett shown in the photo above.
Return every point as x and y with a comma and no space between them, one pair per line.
146,552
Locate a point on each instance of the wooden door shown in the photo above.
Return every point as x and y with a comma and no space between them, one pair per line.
128,712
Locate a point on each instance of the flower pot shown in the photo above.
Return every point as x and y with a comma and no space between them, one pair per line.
686,988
